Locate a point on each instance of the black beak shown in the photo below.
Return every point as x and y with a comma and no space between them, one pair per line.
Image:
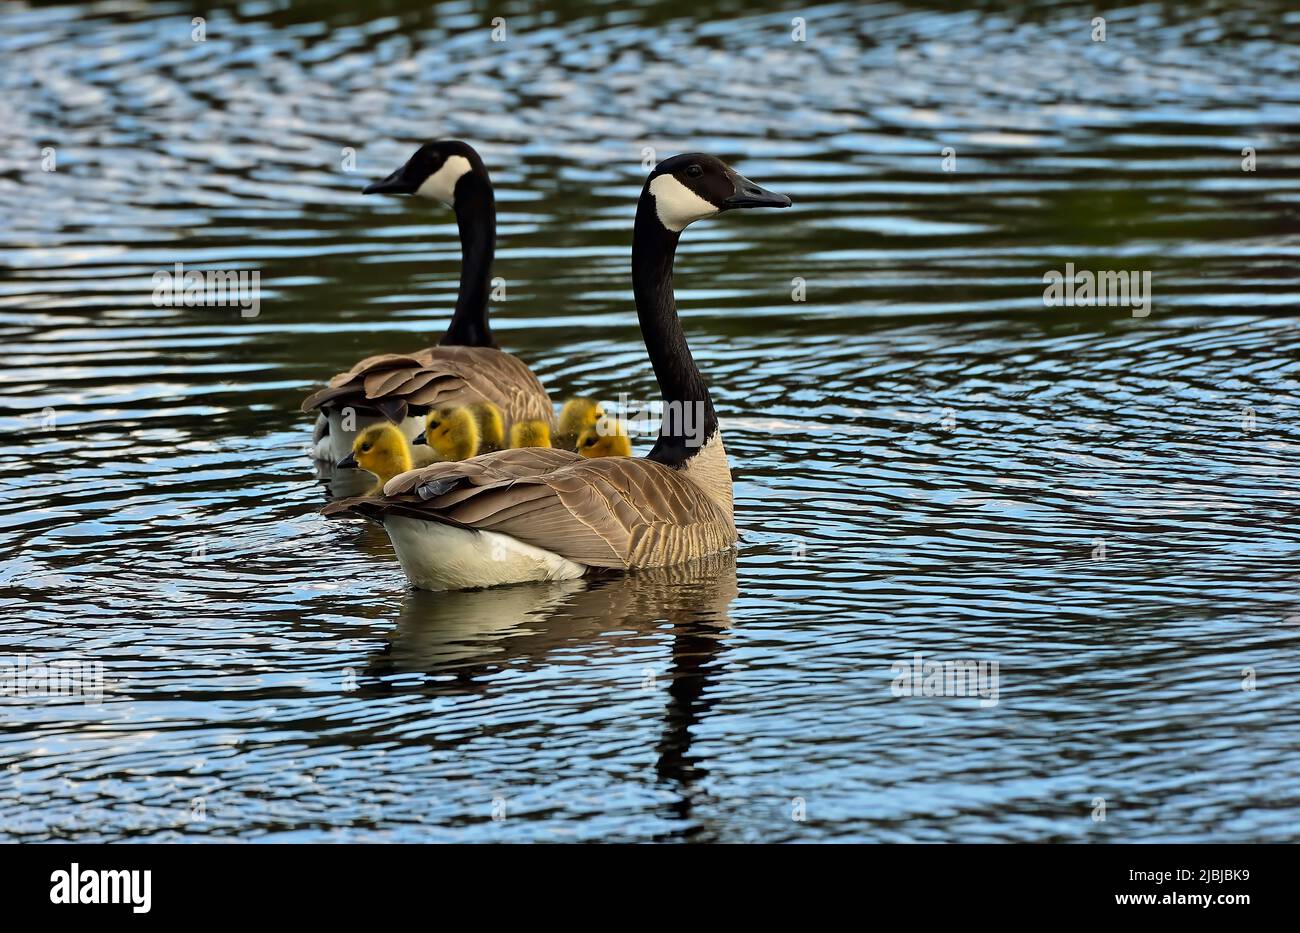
420,439
348,463
749,194
396,183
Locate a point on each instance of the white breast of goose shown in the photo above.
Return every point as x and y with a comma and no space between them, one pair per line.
435,556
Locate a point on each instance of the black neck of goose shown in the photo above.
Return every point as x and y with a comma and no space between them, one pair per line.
685,393
476,216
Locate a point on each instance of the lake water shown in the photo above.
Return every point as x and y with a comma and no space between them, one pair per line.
928,461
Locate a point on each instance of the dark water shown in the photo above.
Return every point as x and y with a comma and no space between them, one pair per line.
927,459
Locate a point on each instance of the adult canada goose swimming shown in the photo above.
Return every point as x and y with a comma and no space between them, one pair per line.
544,514
465,368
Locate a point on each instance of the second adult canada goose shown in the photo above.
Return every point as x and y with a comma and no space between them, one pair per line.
465,368
541,514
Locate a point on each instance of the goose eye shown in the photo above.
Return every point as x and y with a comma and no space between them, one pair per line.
365,448
694,171
591,442
434,425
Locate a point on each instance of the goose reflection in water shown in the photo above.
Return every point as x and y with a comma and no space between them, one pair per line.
458,639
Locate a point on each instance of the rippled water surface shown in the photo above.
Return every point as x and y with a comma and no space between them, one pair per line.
927,460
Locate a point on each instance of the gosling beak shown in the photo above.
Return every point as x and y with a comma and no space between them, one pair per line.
420,439
749,194
348,463
396,183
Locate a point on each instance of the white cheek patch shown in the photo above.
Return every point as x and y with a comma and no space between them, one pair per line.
441,185
678,205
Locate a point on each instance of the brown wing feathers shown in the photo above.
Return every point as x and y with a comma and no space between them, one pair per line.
438,376
618,512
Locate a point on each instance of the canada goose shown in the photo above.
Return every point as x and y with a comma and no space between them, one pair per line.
533,433
380,449
453,433
466,367
537,514
613,443
576,416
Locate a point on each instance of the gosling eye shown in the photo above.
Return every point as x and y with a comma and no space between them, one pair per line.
434,425
365,448
694,171
591,442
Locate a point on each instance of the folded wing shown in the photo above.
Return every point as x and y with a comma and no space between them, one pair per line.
614,512
394,383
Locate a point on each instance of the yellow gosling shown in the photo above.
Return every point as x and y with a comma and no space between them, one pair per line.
615,443
452,433
576,416
533,433
380,449
491,426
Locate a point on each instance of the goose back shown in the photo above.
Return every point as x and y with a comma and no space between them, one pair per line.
398,385
617,512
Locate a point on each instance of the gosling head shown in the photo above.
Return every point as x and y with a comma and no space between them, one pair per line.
576,416
534,433
438,171
612,441
689,187
380,449
452,433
